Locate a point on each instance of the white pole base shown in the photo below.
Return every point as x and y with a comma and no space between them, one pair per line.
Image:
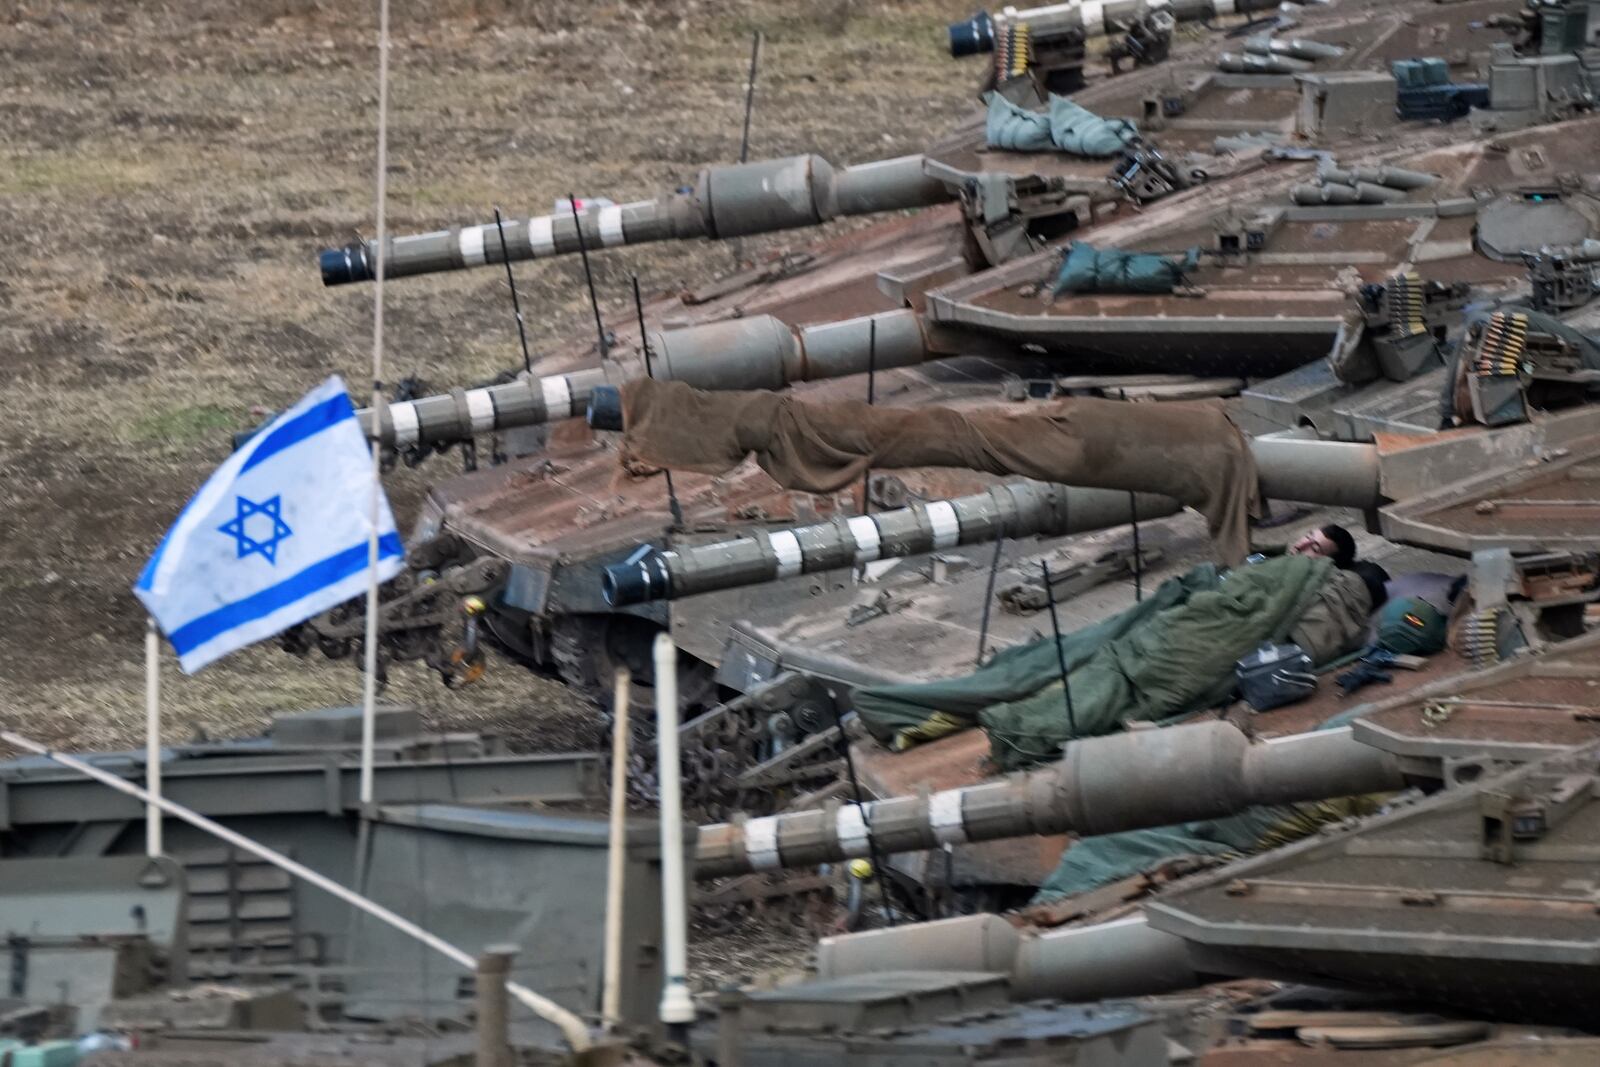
677,1007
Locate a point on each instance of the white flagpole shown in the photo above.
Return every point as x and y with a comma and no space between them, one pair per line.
676,1008
152,736
617,857
369,691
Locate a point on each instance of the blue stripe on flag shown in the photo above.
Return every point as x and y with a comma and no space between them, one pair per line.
147,576
335,568
312,421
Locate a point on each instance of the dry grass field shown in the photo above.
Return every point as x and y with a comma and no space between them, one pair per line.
168,170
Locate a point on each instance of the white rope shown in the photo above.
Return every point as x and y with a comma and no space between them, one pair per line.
572,1027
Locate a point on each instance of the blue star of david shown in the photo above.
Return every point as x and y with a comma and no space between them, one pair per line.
236,529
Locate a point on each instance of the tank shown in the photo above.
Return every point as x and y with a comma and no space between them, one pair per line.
738,200
1325,319
1205,770
912,623
1439,922
1326,472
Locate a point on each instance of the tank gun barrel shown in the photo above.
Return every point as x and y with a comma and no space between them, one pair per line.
1102,785
759,352
726,201
463,413
1014,509
762,352
1088,17
1327,472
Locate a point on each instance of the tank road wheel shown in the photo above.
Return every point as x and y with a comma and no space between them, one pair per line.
511,634
588,649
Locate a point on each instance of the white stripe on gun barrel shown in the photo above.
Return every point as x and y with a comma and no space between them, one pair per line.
946,527
406,427
480,406
557,396
786,546
611,226
471,245
541,236
869,545
761,843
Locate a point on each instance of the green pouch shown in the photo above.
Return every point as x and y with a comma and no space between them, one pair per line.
1411,626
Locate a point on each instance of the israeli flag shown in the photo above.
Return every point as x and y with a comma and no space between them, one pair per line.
278,534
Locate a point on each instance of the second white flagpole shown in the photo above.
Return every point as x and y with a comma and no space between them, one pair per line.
152,736
369,692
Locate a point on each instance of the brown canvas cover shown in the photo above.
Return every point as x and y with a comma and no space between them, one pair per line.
1188,451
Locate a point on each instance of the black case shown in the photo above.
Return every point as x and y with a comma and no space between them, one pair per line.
1275,675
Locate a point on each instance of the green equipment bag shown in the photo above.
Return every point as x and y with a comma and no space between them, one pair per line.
1088,269
1410,626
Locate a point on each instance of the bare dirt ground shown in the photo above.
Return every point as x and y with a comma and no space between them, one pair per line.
168,171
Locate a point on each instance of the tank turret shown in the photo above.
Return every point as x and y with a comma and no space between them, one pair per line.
764,352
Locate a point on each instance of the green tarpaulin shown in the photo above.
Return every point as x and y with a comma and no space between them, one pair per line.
1016,129
1172,654
1066,127
1088,269
1097,861
1081,132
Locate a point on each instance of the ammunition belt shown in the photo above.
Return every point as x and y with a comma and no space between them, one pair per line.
1013,52
1502,346
1403,298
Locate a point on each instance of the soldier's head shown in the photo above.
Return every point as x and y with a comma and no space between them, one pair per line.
1330,542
